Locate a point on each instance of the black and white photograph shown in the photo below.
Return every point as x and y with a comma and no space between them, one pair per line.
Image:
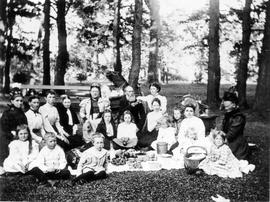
134,100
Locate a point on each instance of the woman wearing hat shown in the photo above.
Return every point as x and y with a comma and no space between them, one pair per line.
10,119
154,90
233,125
92,107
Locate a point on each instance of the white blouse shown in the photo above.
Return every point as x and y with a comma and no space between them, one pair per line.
50,118
127,130
192,122
152,119
149,98
35,121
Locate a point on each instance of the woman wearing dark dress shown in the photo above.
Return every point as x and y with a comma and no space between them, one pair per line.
233,125
10,119
107,128
69,120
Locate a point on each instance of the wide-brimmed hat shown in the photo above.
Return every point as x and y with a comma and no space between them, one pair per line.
155,85
229,96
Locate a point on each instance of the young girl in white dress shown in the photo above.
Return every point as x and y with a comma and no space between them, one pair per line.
166,133
221,161
22,152
127,132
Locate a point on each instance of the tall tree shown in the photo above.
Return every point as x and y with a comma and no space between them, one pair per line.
262,96
116,35
136,46
10,22
3,22
46,44
214,60
153,64
62,58
242,71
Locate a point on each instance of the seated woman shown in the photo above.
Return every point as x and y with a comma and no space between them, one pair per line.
51,120
92,108
35,121
69,121
166,133
150,132
154,90
126,132
191,121
11,118
233,125
107,128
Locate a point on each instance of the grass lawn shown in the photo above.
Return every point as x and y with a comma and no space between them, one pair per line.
170,185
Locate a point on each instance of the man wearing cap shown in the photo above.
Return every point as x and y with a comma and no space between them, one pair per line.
233,125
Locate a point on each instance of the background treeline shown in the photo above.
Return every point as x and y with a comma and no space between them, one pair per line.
131,37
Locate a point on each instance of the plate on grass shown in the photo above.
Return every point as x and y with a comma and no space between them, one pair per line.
165,155
252,144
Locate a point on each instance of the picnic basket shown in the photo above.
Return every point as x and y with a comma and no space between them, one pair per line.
193,156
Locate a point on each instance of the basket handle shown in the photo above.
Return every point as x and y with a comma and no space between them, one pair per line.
190,147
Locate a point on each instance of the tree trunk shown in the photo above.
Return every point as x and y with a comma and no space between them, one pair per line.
116,35
262,97
214,61
11,21
3,23
46,44
153,65
136,46
243,67
62,58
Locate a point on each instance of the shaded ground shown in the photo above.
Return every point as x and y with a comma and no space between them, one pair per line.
162,185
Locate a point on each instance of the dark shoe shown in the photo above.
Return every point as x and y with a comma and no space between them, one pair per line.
53,183
43,184
199,172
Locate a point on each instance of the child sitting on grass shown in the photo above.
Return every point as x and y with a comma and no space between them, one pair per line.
50,163
166,133
93,162
22,152
126,132
221,161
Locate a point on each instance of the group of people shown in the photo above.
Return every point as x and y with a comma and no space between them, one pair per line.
38,141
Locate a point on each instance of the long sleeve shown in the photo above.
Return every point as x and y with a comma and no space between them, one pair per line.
151,123
152,119
6,122
62,159
14,151
57,123
34,153
235,128
46,123
83,113
40,161
81,162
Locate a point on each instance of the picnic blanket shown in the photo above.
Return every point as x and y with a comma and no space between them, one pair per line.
161,163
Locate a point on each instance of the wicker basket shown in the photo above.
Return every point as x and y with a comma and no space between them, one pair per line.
192,164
